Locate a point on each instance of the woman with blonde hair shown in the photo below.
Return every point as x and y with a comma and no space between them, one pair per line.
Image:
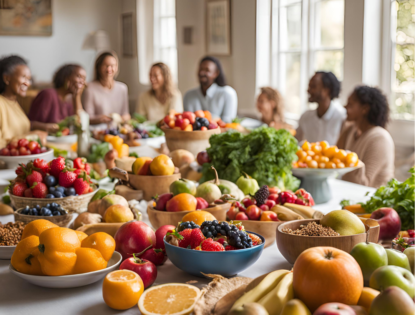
271,106
163,95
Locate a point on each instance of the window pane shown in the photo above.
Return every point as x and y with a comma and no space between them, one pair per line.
167,8
329,61
290,27
290,82
329,31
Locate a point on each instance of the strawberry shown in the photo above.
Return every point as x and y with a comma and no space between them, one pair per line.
210,245
34,177
20,170
57,166
196,237
79,163
80,184
67,178
39,190
28,193
19,188
87,168
221,240
229,247
255,239
78,171
186,234
41,165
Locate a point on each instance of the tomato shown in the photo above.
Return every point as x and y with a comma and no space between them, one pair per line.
306,146
23,142
33,145
330,152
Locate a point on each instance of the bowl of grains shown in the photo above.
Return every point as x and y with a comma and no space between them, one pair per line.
10,235
294,237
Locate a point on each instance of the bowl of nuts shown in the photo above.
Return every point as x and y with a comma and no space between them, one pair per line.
10,235
294,237
52,212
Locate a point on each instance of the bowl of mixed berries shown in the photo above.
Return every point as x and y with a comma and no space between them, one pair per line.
52,212
214,247
61,181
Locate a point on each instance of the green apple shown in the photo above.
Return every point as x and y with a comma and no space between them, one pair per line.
248,185
181,186
388,276
343,222
410,253
392,301
369,256
208,191
397,258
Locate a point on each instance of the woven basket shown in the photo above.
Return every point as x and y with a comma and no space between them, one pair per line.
77,204
60,220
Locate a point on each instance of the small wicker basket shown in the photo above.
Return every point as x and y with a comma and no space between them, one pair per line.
60,220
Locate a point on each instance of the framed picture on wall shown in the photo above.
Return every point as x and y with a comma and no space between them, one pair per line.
28,18
218,27
128,35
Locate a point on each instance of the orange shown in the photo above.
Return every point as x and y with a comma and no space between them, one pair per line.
102,242
208,115
122,289
198,217
118,214
322,165
336,160
312,164
324,159
306,146
311,153
324,145
301,154
352,159
341,155
116,142
330,165
36,227
88,260
123,150
162,165
81,235
182,202
170,298
24,258
330,152
317,158
316,148
340,165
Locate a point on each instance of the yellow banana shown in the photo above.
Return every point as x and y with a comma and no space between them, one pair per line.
262,289
285,214
295,307
304,211
275,300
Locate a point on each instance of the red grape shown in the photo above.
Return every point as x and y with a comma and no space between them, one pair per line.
14,152
23,142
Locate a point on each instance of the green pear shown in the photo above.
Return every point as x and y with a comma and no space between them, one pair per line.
208,191
392,301
397,258
369,256
388,276
249,309
183,186
410,253
248,185
343,222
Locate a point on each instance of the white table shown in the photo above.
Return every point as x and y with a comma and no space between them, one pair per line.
18,297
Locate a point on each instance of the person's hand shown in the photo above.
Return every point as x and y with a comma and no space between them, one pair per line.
51,128
102,119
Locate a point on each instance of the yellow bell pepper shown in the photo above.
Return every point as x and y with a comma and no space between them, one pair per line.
25,256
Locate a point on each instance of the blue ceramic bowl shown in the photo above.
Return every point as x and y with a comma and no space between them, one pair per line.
227,264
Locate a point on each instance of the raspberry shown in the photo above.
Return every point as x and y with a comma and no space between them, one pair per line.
229,247
185,242
256,240
411,233
221,241
210,245
196,237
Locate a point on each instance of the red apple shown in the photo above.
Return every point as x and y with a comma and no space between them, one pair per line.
161,201
156,255
22,143
161,233
201,203
248,202
179,123
212,126
144,268
273,197
133,237
23,151
240,216
253,212
334,309
189,115
269,216
202,158
389,221
263,207
270,203
232,212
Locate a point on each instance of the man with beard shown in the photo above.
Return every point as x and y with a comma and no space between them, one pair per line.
326,121
213,94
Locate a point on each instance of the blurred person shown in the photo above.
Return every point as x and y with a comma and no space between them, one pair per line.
213,94
368,110
162,97
52,105
15,79
325,122
105,96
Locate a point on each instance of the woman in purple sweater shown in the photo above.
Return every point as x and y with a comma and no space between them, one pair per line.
53,105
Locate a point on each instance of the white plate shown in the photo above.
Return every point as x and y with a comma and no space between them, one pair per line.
71,281
6,252
14,161
63,139
324,172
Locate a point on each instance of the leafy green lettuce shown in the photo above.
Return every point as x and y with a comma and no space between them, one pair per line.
266,154
396,195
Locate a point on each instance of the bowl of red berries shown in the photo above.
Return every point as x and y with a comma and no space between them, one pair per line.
64,182
214,247
22,151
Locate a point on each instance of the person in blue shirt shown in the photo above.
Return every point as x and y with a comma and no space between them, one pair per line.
213,94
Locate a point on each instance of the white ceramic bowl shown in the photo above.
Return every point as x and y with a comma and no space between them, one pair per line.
13,162
6,252
71,281
64,139
324,172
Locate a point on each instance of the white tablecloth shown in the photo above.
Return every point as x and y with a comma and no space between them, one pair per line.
18,297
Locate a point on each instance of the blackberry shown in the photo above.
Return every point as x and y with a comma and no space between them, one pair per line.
239,239
262,195
187,225
212,229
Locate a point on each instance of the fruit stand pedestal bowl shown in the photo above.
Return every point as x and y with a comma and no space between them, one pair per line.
314,180
268,229
71,281
159,218
60,220
227,264
193,141
12,162
291,246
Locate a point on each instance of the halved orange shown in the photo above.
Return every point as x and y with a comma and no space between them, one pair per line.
198,217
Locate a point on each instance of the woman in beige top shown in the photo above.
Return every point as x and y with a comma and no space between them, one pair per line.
105,96
368,109
15,79
162,97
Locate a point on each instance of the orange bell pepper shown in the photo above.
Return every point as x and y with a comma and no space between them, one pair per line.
123,150
25,256
36,227
88,260
108,138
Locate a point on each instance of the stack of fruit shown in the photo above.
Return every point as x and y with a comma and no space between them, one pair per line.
161,165
39,179
22,147
321,155
118,145
111,208
188,121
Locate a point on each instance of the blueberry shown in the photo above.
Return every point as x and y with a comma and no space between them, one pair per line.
56,213
205,230
50,181
50,196
70,191
209,235
48,212
54,204
38,207
25,211
57,194
61,189
52,189
218,228
27,207
50,215
43,210
47,206
214,233
34,212
223,232
215,222
212,228
227,228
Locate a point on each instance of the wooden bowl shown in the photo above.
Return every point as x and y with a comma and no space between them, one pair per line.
193,141
159,218
60,220
77,204
268,229
291,246
152,185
